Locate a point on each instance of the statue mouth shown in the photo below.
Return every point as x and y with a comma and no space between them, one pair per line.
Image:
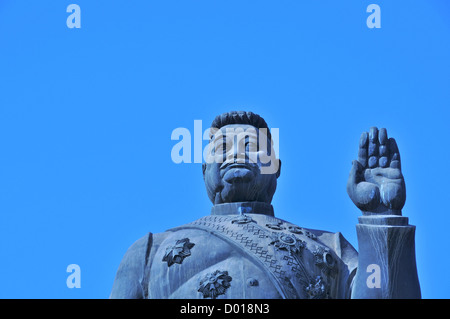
231,165
247,166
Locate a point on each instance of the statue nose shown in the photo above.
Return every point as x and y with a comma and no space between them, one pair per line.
235,154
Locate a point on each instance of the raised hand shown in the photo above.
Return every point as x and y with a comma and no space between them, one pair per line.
376,183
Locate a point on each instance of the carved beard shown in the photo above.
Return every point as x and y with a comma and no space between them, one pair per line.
239,192
239,186
257,189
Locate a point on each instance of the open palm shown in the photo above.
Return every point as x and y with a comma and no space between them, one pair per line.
376,183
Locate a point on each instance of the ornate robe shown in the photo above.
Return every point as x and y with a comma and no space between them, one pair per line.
240,251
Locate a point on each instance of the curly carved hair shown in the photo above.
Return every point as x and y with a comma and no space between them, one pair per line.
240,117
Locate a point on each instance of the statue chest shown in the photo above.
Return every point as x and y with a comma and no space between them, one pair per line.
241,257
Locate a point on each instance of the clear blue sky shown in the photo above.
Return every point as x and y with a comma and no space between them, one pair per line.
86,117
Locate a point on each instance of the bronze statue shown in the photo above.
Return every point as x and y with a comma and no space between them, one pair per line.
241,250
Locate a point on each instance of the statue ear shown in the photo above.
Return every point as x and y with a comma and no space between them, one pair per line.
203,169
279,168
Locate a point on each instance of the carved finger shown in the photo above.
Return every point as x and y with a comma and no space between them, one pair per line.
383,148
373,147
362,152
395,154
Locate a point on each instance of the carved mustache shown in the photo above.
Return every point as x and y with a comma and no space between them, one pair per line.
235,163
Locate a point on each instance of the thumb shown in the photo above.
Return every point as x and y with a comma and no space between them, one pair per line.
366,196
355,177
356,172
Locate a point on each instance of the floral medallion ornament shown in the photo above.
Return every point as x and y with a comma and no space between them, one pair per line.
177,252
288,242
214,284
316,290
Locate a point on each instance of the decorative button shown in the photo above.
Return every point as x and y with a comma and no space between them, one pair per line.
252,282
324,260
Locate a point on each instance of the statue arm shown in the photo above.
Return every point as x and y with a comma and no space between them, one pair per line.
129,280
386,261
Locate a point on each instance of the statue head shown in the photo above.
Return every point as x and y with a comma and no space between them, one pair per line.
241,165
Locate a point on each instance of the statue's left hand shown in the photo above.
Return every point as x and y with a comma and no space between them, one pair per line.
376,183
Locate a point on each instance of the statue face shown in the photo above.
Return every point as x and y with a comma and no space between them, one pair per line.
240,165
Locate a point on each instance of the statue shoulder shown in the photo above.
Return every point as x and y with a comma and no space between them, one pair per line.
128,280
340,246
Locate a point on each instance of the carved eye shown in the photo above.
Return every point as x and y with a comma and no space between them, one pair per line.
218,147
222,146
